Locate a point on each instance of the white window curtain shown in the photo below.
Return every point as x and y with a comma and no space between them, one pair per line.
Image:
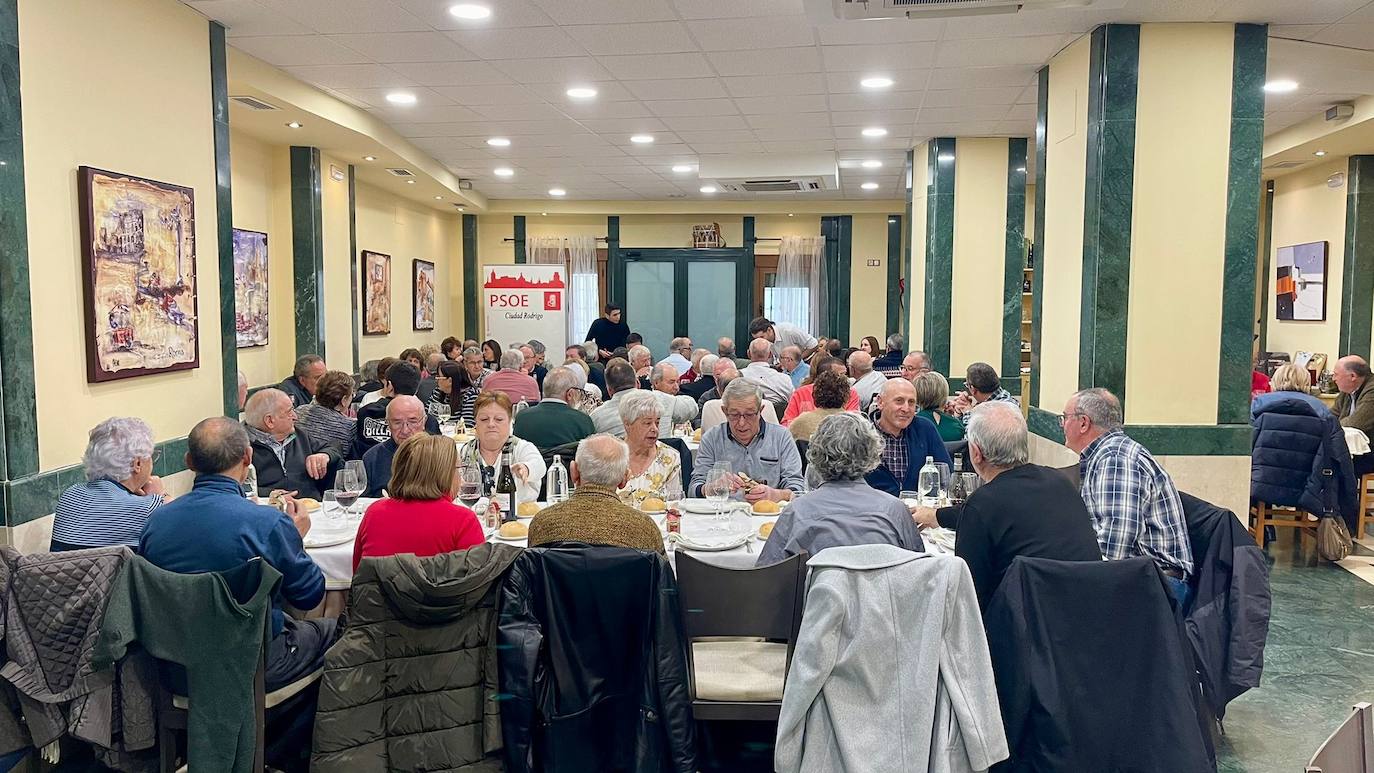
546,250
582,292
798,297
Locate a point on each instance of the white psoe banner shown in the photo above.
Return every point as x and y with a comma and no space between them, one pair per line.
525,302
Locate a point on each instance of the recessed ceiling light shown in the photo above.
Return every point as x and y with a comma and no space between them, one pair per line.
682,168
462,209
503,171
642,139
1319,153
498,142
557,192
469,11
294,125
543,214
1281,86
789,214
401,98
410,182
869,186
875,131
871,164
708,189
876,82
1021,169
369,158
581,92
438,198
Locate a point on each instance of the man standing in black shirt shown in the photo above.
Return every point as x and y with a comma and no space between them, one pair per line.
609,332
401,378
1020,510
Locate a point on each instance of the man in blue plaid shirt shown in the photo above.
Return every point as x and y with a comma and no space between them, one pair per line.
1134,504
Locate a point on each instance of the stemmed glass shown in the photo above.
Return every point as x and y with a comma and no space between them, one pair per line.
345,491
718,491
469,485
357,476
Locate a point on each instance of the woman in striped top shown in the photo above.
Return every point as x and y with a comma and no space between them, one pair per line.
326,418
462,393
120,491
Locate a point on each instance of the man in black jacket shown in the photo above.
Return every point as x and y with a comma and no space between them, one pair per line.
1021,510
284,455
300,385
402,378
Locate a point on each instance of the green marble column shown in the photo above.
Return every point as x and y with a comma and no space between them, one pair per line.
1357,289
520,254
1107,206
904,288
895,323
1263,278
615,264
355,292
307,242
224,222
744,279
838,231
1042,113
1249,62
1015,263
472,302
939,251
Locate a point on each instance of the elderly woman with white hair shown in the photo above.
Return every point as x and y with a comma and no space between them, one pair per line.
842,509
655,467
120,491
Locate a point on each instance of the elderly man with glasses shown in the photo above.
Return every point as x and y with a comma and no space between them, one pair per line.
284,455
915,364
766,454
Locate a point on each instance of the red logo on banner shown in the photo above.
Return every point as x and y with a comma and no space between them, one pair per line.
552,301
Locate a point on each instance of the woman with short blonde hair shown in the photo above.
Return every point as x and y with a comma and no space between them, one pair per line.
1291,378
932,391
420,516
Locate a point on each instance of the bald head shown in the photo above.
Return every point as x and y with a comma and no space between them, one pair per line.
1351,373
218,446
860,364
760,350
997,438
723,364
897,402
405,417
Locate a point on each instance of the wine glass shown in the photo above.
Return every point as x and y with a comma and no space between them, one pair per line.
718,491
346,490
442,411
469,485
359,472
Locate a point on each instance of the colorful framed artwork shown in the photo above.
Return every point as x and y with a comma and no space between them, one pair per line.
138,260
376,293
423,274
1300,282
250,287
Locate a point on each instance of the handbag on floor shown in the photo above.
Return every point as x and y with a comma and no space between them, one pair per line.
1333,539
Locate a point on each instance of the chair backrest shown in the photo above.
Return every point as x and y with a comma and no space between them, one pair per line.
1348,750
766,601
802,447
685,453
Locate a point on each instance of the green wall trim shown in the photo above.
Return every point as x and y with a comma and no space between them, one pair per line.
838,231
1014,261
1107,206
744,279
894,277
1249,60
520,254
224,222
1357,289
1042,119
1263,277
939,250
1162,439
355,291
471,301
904,288
307,248
18,402
615,263
34,496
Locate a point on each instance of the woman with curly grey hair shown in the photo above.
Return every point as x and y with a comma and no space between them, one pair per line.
120,491
842,509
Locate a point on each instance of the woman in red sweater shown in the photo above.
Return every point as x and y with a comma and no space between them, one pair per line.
420,516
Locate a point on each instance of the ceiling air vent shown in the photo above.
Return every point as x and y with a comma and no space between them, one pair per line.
253,103
776,185
825,11
400,172
1286,165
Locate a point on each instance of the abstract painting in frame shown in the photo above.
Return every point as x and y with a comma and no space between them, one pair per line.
376,293
138,258
424,294
1300,282
250,287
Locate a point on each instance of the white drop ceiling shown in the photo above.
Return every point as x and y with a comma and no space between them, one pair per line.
709,77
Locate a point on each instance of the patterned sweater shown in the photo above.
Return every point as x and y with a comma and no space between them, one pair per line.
596,516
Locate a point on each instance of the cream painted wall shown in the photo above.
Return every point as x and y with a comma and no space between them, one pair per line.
868,284
262,202
656,230
1305,210
916,281
338,283
124,87
562,225
980,203
407,231
1065,171
492,230
1178,231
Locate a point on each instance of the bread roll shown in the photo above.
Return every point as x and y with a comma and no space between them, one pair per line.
765,530
527,508
767,507
514,530
653,505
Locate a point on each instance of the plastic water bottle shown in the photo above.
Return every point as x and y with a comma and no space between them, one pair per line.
250,483
556,482
929,483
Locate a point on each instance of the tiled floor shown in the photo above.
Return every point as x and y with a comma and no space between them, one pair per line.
1318,663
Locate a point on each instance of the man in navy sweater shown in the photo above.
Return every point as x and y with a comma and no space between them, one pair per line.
214,529
907,439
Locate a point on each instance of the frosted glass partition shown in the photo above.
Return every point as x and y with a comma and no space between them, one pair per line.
649,303
710,302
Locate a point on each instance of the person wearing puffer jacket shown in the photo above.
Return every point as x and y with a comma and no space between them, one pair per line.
1296,437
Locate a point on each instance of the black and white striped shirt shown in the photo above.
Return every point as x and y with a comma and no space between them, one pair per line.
101,513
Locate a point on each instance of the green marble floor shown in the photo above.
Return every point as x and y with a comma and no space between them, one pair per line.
1318,663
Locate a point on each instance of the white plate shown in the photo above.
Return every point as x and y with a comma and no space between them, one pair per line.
327,539
715,545
510,540
706,506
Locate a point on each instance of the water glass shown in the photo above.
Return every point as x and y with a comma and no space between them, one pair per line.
971,483
718,491
331,510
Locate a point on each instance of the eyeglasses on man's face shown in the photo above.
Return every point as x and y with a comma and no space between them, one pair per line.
742,417
1065,417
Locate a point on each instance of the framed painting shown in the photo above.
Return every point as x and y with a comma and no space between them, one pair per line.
250,287
376,293
423,274
1300,282
138,260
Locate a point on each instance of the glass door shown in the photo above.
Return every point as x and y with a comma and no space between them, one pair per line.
681,292
649,302
710,302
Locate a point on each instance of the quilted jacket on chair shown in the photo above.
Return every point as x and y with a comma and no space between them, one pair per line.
1296,437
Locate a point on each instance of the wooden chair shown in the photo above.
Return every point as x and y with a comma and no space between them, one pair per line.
1351,748
766,602
1366,502
1263,514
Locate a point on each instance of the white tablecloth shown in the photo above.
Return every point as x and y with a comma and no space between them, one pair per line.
336,561
1356,440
